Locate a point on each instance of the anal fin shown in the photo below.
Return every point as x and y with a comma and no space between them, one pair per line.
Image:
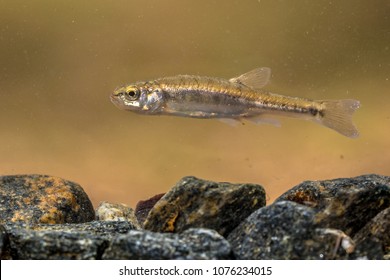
232,122
260,119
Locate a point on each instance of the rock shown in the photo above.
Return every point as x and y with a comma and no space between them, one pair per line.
288,230
343,247
192,244
377,230
329,244
116,212
3,244
41,217
143,207
347,203
278,231
2,238
65,241
43,199
194,202
368,249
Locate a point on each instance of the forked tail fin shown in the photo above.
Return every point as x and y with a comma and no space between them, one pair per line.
337,115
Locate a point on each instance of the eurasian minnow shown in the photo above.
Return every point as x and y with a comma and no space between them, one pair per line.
239,98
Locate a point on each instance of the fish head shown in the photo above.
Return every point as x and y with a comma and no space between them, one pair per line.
140,98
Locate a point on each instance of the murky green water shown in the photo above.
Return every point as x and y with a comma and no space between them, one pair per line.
59,61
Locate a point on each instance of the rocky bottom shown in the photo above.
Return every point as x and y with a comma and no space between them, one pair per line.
44,217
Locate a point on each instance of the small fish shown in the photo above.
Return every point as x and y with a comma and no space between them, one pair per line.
237,99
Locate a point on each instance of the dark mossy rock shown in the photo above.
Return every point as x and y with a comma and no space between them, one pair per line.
63,241
377,231
143,207
43,199
367,249
192,244
2,238
4,249
107,211
347,203
288,230
343,247
194,202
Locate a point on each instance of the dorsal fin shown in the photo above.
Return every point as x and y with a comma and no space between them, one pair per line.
256,78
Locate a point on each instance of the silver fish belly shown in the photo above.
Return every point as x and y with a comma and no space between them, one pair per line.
239,98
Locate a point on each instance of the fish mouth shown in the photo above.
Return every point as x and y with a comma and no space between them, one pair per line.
113,98
116,100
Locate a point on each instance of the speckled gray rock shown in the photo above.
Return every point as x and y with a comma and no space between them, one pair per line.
347,203
65,241
193,202
43,199
277,231
195,243
287,230
107,211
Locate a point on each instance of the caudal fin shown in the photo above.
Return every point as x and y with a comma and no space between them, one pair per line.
337,115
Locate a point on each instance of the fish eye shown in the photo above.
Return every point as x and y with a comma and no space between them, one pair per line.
132,94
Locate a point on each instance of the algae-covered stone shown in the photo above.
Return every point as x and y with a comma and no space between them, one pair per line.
347,203
116,212
62,241
43,199
193,202
195,243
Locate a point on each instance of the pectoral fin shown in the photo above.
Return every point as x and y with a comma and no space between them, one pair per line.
256,78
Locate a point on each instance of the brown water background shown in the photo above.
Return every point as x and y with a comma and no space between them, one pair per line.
60,60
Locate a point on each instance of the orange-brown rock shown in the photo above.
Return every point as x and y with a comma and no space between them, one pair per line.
43,199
